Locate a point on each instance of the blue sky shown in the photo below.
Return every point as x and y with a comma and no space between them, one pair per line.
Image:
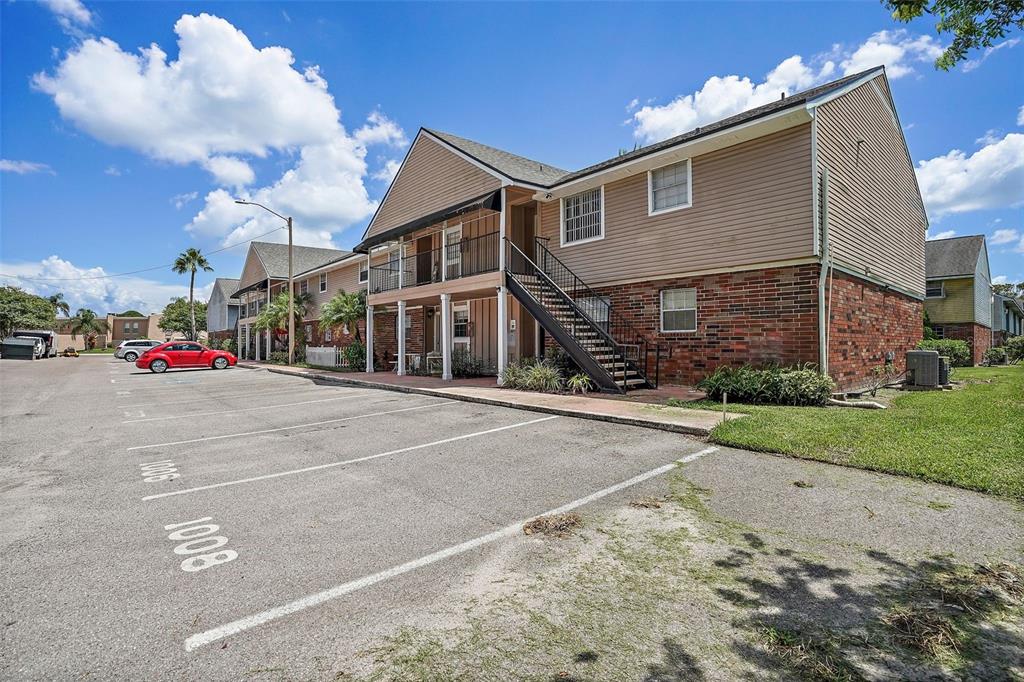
117,154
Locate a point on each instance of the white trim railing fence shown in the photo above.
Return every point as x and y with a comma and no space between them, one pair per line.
325,356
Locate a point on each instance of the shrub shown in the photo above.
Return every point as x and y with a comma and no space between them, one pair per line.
958,352
355,355
560,360
230,345
465,364
995,356
543,377
515,375
795,386
579,383
279,357
213,344
1015,348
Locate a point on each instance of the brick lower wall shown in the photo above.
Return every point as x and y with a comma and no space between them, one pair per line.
869,326
385,335
978,337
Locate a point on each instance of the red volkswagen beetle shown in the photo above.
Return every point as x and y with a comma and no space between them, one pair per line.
182,354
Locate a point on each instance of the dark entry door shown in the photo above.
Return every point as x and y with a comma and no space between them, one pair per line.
424,260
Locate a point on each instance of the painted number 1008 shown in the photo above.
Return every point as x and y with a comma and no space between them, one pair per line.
198,543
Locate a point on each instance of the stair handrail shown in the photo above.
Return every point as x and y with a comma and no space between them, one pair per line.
615,320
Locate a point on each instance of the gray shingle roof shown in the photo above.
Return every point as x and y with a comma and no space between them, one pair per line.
545,175
275,258
952,257
227,287
512,165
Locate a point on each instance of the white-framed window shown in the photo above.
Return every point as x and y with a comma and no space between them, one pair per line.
364,272
935,289
583,217
940,333
327,335
309,331
597,308
323,282
304,286
460,323
678,310
669,188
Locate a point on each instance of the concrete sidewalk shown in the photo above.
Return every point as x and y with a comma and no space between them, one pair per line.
676,419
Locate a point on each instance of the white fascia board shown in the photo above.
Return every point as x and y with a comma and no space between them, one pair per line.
351,258
852,85
505,180
744,132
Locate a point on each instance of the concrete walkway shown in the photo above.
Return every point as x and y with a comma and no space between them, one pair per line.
676,419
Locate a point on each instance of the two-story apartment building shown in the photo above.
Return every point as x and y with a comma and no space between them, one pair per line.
222,309
1007,318
791,233
959,291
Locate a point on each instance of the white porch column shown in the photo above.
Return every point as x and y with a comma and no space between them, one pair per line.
401,338
266,351
501,250
502,333
369,338
238,323
446,337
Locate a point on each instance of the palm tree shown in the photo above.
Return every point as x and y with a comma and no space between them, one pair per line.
59,304
190,261
275,314
88,325
346,309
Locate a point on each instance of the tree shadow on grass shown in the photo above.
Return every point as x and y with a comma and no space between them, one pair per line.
930,619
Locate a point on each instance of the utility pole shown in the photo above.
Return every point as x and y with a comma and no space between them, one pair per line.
291,300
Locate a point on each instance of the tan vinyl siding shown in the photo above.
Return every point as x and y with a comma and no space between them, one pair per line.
956,306
253,270
752,203
431,179
344,277
875,222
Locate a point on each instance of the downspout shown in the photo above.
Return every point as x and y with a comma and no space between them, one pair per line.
824,320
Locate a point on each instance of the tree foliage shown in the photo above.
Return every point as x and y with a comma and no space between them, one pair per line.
88,325
131,313
22,310
1009,289
191,261
59,304
177,316
344,309
974,23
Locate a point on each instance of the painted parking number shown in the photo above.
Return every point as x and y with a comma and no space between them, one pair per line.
165,470
197,540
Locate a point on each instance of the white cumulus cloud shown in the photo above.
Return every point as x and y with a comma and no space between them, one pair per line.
972,64
945,234
388,171
1004,237
85,287
24,167
723,96
72,15
990,178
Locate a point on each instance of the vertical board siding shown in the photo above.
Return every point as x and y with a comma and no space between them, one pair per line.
752,203
876,226
982,290
431,179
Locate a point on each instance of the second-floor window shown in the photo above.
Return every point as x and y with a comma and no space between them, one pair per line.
323,282
668,188
364,273
304,286
934,290
583,217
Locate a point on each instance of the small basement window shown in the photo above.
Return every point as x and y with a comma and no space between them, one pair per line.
583,217
669,188
679,310
934,290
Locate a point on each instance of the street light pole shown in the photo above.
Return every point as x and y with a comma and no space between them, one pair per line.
291,284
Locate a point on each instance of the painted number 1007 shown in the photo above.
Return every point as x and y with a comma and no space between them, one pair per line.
198,544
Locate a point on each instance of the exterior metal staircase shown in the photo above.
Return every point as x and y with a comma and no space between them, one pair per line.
597,337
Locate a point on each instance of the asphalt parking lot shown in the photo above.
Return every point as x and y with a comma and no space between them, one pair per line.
203,520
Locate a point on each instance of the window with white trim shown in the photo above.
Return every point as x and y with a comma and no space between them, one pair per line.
323,282
596,307
940,332
583,217
304,286
364,273
460,322
327,335
309,331
668,188
934,289
679,310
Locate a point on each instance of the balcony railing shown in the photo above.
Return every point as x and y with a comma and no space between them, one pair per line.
456,259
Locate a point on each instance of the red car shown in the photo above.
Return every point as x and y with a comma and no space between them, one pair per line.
181,354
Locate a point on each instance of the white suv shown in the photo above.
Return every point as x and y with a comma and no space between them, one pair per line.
131,350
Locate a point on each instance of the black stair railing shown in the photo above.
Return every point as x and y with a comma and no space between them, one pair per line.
634,346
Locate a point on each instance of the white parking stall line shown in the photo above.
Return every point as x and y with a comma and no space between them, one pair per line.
203,397
243,409
233,628
329,465
444,403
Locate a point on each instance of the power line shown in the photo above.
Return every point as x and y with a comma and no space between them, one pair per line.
133,272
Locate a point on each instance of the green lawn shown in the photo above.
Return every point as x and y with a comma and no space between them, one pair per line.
92,351
972,437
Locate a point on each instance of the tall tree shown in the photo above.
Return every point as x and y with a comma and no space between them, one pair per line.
177,316
346,309
22,310
86,323
1009,289
275,314
190,261
59,304
973,23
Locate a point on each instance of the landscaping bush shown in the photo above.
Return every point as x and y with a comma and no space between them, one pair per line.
465,364
556,357
1015,348
279,357
579,383
995,356
230,346
544,378
355,355
515,374
958,352
794,386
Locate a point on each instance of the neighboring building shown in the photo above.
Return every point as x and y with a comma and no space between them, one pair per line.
265,275
222,309
959,291
1007,318
119,328
702,250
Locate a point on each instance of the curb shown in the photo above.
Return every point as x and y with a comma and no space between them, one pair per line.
562,412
